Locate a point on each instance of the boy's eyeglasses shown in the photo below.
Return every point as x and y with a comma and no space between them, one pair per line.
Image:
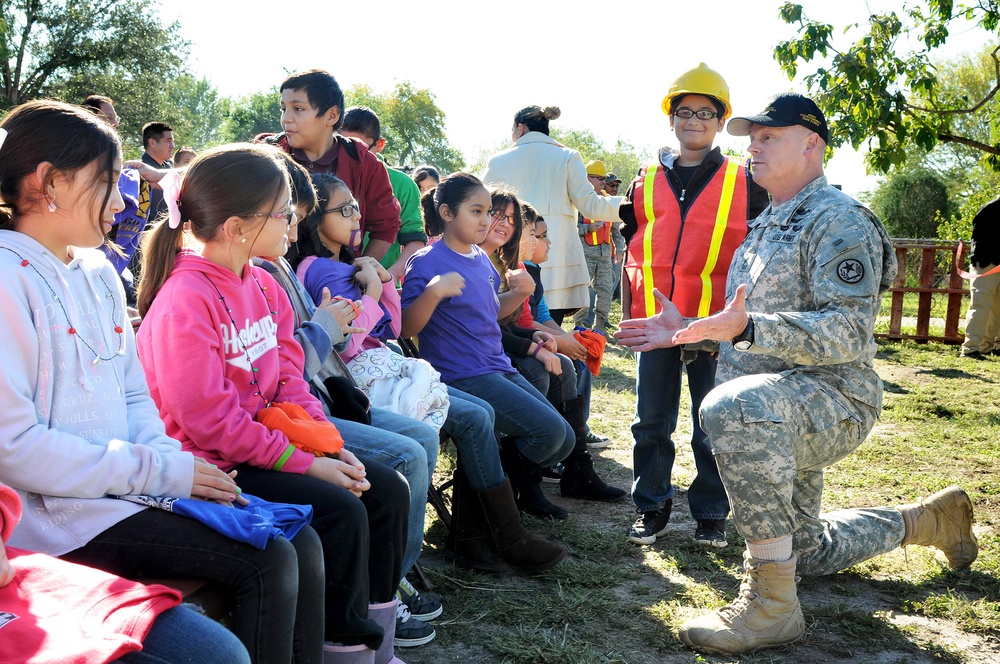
497,215
289,217
543,236
346,211
687,114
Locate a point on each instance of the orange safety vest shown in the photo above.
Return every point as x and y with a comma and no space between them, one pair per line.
686,257
598,232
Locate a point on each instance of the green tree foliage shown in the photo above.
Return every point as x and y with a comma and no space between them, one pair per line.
247,116
910,204
412,125
195,111
624,159
68,49
879,92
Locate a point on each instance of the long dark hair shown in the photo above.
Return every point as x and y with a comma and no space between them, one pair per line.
451,191
509,253
309,242
68,137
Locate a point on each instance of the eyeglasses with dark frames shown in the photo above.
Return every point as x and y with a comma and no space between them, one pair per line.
703,114
497,215
346,211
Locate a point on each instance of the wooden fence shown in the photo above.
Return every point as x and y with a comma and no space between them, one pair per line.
928,269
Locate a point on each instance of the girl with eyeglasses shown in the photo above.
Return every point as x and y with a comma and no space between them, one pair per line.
217,344
549,371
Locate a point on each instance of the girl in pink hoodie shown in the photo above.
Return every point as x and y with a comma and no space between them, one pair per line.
217,343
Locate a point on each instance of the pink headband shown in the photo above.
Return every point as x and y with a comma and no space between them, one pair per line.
171,186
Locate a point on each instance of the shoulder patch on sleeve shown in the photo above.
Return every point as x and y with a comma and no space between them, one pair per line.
851,271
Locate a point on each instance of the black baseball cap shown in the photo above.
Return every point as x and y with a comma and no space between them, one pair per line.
611,177
784,110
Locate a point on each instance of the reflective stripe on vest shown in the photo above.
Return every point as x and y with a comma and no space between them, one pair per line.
601,234
721,217
687,260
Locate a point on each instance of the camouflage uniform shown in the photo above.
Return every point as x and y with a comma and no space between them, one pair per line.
805,395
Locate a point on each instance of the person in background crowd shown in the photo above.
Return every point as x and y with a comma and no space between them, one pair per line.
183,156
982,323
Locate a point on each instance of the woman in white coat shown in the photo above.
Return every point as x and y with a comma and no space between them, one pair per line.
554,180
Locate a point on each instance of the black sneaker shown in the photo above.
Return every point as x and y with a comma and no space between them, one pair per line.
711,532
553,474
422,607
974,355
411,632
595,442
650,525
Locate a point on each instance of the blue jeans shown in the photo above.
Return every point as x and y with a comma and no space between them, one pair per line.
182,635
406,445
470,424
658,393
538,431
557,389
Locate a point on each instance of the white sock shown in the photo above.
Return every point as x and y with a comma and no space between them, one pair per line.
778,551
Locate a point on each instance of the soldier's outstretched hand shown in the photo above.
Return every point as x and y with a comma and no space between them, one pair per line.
642,334
723,326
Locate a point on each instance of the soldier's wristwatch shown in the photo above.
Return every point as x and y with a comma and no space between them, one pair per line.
745,340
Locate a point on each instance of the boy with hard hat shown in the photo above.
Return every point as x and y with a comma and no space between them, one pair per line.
689,214
599,252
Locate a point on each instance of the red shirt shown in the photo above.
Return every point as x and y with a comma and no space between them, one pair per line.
366,177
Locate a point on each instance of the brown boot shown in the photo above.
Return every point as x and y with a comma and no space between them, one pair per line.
517,546
469,542
943,521
766,613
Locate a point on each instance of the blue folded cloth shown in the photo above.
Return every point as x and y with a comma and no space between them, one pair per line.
255,524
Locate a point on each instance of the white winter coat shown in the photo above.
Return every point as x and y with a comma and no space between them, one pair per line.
554,180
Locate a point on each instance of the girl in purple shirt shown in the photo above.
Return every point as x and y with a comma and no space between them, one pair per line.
451,300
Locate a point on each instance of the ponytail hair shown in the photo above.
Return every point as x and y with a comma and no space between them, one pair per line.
536,118
228,181
68,137
451,191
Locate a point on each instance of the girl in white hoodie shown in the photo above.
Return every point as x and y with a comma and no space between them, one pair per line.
79,425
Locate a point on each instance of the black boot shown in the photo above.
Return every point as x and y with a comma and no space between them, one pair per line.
517,546
579,479
469,542
526,483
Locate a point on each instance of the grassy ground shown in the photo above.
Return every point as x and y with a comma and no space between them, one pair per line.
613,601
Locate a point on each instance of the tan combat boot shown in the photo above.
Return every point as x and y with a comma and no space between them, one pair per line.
766,613
943,521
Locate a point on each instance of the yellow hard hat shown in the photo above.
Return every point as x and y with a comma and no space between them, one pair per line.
699,81
597,168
